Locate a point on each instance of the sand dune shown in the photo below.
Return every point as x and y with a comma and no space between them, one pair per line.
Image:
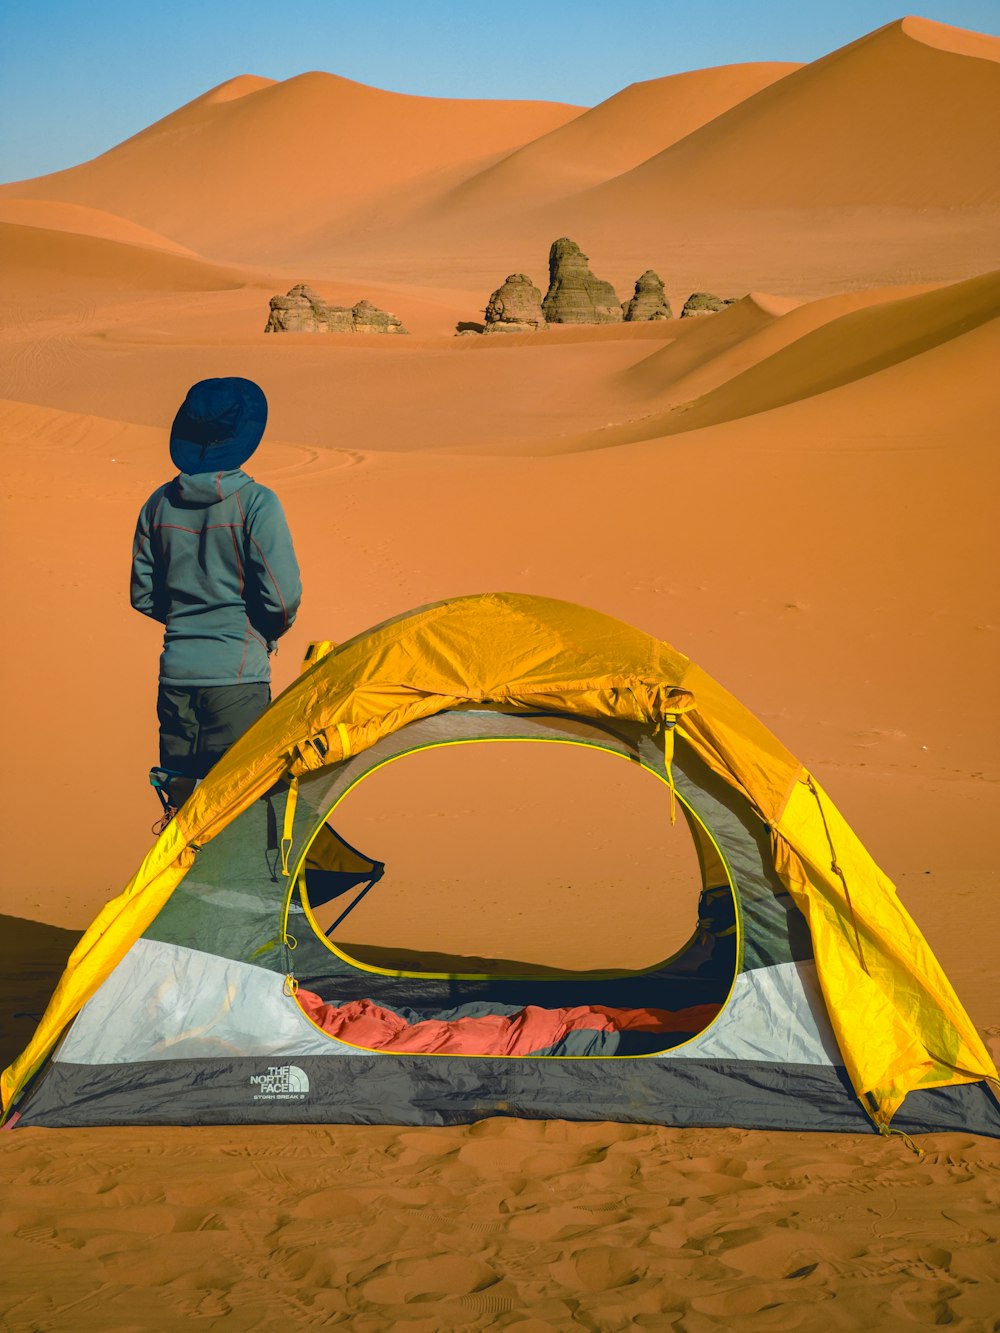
855,345
611,138
240,176
52,215
39,263
896,119
705,345
766,355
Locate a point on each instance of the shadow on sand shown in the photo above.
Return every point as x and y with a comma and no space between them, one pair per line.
32,958
411,960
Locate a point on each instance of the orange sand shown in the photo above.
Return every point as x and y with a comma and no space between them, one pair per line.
799,493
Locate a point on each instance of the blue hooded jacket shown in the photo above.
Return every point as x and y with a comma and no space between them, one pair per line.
213,561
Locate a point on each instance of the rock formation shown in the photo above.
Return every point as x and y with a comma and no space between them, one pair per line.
575,296
516,307
704,303
649,301
369,319
305,311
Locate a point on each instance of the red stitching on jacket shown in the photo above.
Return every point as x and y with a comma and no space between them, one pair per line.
277,589
236,552
209,527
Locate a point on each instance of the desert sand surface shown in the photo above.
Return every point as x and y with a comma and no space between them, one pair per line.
799,493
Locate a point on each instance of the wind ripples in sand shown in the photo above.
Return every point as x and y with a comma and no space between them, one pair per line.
503,1224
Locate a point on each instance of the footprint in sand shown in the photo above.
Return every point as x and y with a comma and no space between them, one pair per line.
212,1306
423,1146
601,1203
600,1268
495,1300
40,1234
327,1205
435,1278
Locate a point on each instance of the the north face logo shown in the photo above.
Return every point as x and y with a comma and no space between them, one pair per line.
281,1083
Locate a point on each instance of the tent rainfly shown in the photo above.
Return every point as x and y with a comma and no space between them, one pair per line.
207,993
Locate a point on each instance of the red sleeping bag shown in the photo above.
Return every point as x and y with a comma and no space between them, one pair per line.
532,1029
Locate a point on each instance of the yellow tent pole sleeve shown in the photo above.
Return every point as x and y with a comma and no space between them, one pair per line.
668,764
288,824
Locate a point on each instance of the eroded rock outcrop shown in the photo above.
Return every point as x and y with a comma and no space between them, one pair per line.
704,303
649,300
369,318
305,311
515,307
575,295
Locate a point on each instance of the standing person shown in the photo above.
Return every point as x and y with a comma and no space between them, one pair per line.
213,561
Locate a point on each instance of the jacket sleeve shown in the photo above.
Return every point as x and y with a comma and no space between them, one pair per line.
273,587
146,589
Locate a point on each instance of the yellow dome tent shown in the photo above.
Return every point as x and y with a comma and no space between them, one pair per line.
180,1004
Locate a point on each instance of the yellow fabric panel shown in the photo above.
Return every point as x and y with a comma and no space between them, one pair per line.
898,1022
738,747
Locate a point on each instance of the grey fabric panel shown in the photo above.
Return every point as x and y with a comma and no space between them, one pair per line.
970,1108
774,1014
164,1002
774,930
229,903
428,1090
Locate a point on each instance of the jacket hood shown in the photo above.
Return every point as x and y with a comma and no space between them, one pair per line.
207,488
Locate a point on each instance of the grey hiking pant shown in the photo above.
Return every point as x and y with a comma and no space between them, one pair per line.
198,723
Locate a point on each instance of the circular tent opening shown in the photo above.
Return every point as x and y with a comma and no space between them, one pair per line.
517,857
529,899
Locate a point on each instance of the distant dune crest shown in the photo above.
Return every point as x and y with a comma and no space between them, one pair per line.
242,86
895,120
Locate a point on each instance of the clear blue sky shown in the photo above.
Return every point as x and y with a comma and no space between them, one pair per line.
78,76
